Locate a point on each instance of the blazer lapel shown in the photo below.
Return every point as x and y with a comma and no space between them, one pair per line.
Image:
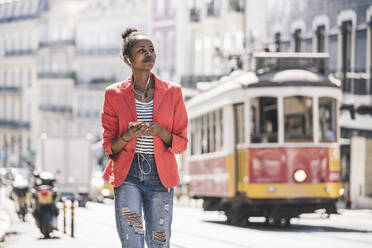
159,94
128,95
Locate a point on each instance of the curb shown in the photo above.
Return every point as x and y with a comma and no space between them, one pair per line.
5,223
5,214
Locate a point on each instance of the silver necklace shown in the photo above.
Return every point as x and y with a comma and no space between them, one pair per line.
143,95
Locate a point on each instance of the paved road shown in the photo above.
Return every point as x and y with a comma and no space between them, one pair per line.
193,228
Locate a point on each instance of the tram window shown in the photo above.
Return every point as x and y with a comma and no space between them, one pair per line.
298,118
264,117
218,130
204,142
327,119
206,133
199,135
219,119
192,136
212,132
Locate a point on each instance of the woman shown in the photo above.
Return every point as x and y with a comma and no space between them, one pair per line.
144,124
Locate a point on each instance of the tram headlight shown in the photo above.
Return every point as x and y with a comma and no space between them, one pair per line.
341,191
300,176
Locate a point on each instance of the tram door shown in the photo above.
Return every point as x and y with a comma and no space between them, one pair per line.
240,154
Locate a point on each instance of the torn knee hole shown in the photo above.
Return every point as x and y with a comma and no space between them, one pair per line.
133,219
159,237
166,207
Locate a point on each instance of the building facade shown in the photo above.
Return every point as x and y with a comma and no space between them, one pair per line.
215,37
19,43
343,29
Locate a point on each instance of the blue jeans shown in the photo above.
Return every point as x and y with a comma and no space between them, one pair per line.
143,191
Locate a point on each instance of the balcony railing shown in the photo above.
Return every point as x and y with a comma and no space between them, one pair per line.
98,52
355,83
55,108
19,18
11,89
28,52
14,124
88,114
56,43
70,74
190,81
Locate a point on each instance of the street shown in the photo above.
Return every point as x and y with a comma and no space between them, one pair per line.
192,227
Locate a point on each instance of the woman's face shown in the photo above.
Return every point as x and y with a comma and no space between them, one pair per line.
142,54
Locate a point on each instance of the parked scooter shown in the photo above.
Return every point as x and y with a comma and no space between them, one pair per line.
45,197
20,188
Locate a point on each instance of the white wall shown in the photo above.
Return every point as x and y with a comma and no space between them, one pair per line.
358,178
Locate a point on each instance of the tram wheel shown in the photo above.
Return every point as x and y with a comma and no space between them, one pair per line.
236,219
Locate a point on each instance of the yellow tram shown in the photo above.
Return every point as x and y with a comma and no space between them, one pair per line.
265,142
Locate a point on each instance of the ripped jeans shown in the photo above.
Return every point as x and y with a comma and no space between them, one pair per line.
142,191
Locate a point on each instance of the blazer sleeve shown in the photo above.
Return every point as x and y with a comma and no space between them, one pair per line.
179,132
110,124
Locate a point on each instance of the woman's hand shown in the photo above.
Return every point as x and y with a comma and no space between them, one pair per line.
152,129
156,129
134,130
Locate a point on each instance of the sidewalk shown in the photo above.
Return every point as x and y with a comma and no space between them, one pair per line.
6,213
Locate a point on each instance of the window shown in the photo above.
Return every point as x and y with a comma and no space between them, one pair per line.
34,7
205,134
211,132
327,119
345,53
28,144
21,78
237,5
192,137
3,103
28,112
12,143
221,127
20,113
219,130
12,78
194,7
5,78
29,78
297,41
239,123
277,42
17,8
264,128
298,118
213,7
320,39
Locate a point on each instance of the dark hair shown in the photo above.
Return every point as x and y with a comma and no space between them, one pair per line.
129,40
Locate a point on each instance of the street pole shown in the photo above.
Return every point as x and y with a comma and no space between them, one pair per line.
72,216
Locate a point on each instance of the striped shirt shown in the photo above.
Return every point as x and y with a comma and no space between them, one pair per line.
144,144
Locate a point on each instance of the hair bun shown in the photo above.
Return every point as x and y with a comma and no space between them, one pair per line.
128,32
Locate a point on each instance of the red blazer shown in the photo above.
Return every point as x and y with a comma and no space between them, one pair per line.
168,111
